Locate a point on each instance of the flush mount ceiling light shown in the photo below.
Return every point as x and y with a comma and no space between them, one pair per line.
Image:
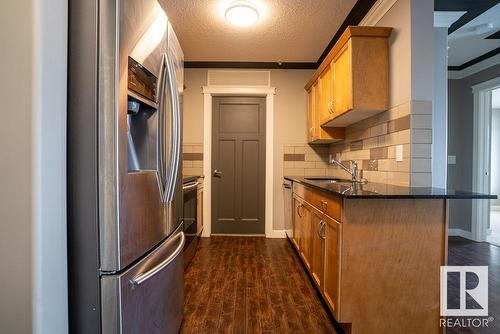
242,14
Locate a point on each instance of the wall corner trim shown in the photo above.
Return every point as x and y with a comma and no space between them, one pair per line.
377,12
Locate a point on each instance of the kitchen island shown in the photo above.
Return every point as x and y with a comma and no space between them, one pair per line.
374,251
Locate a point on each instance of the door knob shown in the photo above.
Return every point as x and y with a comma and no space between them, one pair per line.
217,173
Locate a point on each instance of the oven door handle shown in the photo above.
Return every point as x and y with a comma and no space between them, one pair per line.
190,186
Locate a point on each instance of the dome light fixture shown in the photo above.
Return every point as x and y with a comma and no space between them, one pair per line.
242,14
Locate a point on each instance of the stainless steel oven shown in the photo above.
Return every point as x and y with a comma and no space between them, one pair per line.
190,189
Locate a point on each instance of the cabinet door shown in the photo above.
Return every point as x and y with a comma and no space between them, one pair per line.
326,92
296,222
332,232
342,81
318,248
311,114
306,234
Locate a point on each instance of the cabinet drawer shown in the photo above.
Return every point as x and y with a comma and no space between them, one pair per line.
325,203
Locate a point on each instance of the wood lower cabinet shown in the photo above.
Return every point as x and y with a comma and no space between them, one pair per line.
316,236
369,257
318,248
306,235
296,225
331,263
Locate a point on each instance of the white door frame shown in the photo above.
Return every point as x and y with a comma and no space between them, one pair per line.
481,156
219,90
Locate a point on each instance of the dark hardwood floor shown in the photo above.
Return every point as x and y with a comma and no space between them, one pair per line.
463,252
250,285
257,285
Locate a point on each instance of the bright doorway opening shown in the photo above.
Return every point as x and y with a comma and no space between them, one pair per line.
493,233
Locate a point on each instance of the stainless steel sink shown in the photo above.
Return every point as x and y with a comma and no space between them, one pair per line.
327,179
332,180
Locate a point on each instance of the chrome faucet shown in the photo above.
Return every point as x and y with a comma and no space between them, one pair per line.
353,171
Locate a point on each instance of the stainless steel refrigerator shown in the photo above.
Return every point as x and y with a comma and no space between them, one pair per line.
125,236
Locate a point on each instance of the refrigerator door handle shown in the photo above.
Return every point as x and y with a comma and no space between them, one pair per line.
176,130
142,277
161,125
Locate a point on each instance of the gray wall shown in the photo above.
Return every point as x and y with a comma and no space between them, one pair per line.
460,132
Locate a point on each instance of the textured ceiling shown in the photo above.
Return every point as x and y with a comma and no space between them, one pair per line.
288,30
465,44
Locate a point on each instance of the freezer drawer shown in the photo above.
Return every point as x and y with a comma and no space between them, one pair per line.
148,297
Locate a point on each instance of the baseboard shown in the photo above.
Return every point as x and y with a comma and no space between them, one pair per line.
278,234
457,232
274,234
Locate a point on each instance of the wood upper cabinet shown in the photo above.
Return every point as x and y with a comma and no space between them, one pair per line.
317,134
325,92
342,92
353,78
331,287
312,124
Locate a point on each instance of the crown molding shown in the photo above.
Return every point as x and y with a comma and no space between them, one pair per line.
377,12
487,63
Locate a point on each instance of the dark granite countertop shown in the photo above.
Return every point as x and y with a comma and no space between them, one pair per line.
385,191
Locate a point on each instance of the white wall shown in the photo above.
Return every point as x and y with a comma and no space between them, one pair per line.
33,286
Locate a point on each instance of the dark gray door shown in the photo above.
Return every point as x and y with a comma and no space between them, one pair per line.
238,165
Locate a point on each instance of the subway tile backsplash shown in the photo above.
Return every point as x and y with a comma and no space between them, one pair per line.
192,159
372,144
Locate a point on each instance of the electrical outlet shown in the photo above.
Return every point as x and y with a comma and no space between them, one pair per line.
399,153
452,160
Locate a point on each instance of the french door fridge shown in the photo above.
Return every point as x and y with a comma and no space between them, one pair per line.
125,236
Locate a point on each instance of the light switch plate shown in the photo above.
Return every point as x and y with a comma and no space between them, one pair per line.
399,153
452,160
